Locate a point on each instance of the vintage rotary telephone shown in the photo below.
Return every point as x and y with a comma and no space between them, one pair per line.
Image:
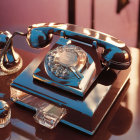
73,65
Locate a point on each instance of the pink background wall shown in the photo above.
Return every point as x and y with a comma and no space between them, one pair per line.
83,13
22,13
18,14
123,25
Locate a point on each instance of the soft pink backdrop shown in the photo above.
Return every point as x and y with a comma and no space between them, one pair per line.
18,14
22,13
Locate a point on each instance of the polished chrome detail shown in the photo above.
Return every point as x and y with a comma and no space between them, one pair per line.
76,73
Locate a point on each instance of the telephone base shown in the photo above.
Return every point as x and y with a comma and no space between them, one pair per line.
84,114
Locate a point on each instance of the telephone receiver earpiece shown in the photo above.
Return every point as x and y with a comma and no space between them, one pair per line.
115,55
37,38
117,58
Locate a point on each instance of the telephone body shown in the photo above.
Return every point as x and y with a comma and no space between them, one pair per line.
75,78
74,68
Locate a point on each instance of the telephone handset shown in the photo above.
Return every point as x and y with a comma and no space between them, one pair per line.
116,53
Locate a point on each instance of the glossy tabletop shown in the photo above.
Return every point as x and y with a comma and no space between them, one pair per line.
122,121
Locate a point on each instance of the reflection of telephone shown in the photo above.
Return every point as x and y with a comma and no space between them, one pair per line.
77,63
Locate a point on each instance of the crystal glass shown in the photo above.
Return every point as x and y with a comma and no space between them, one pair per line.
5,114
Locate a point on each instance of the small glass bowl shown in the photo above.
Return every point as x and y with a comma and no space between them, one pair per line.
5,114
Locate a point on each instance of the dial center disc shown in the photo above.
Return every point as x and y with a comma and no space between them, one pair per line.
67,58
